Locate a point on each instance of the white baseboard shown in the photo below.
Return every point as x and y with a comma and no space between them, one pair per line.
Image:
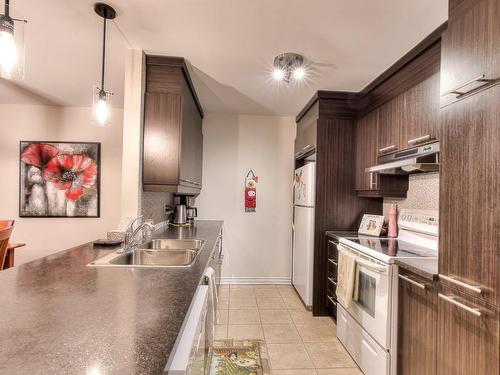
256,280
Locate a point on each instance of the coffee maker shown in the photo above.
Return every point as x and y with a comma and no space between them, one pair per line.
184,211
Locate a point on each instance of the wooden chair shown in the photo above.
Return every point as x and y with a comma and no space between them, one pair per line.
6,223
4,242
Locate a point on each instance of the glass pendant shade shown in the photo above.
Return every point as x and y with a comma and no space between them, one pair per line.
101,108
12,45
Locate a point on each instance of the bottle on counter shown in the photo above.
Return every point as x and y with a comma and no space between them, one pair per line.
393,221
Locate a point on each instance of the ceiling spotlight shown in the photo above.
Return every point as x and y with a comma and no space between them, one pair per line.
102,98
11,45
287,66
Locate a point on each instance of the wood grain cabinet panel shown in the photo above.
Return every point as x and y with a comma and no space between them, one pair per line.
420,120
366,150
469,47
307,128
417,326
390,124
467,344
161,138
470,194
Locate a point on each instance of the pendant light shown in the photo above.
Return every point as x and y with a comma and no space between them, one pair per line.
288,66
11,44
102,98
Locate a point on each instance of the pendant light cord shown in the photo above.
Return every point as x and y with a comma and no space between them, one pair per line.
103,54
7,10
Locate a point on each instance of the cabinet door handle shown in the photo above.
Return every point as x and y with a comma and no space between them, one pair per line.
412,282
474,288
386,149
332,301
421,139
455,91
373,182
332,262
331,280
451,299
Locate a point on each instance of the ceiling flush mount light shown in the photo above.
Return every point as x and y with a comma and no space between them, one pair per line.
11,44
288,66
102,98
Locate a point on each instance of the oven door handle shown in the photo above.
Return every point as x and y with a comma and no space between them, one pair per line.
371,266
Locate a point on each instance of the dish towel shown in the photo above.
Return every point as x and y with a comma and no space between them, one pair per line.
346,277
212,285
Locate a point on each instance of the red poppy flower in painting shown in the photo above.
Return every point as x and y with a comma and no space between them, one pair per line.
39,154
71,173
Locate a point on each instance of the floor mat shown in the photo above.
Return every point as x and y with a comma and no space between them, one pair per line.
239,357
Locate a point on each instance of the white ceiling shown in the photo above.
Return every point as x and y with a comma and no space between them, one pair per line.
229,43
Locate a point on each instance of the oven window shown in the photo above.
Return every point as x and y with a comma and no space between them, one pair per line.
367,291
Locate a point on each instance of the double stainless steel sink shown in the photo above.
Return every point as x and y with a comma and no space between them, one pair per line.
155,253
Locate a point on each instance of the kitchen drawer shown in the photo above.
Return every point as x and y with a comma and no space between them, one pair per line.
332,250
368,354
331,286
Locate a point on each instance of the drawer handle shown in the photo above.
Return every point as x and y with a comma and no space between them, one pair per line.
474,288
332,262
386,149
412,282
421,139
332,301
306,147
452,300
455,91
331,280
333,243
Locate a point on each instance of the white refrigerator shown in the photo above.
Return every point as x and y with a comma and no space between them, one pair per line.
303,236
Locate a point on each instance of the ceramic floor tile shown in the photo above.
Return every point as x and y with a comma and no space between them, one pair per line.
241,291
329,355
280,334
295,372
288,293
242,303
223,293
267,292
294,303
304,317
223,303
245,331
317,332
289,357
220,332
223,316
275,316
338,371
270,303
265,286
244,316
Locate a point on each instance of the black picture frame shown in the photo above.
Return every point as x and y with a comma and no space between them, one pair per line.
22,145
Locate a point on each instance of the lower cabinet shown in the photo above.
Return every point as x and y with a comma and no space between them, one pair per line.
417,325
331,280
468,336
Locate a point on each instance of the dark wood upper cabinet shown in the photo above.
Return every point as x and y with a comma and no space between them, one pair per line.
417,325
173,137
470,60
470,195
307,127
366,150
390,124
420,117
467,343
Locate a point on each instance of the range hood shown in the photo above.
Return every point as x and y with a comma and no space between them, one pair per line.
413,160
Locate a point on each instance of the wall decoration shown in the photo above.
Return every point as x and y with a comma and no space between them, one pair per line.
59,179
371,225
250,191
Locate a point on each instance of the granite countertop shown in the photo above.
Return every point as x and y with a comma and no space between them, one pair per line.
58,316
426,268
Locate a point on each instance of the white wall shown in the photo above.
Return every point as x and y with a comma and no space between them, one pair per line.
49,123
257,245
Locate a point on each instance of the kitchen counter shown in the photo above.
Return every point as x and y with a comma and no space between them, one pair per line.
337,234
58,316
426,268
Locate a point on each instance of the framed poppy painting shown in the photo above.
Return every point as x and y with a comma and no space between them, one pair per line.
59,179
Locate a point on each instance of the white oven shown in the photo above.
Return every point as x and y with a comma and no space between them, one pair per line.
372,308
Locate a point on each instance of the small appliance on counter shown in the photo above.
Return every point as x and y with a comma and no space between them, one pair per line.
191,211
184,210
180,214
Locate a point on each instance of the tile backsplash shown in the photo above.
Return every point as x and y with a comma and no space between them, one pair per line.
423,193
153,205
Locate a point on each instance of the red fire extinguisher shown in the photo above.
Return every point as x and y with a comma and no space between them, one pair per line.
250,192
